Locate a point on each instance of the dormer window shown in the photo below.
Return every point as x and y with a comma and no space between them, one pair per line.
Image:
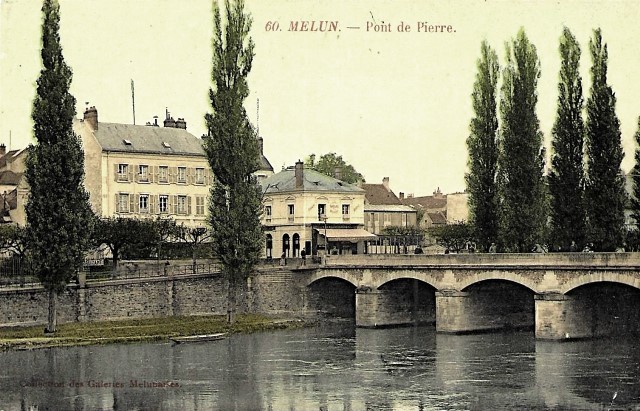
166,145
126,142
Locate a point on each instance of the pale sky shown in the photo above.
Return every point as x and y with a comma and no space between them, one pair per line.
394,104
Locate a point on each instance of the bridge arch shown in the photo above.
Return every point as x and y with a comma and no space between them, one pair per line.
631,279
410,276
341,274
527,281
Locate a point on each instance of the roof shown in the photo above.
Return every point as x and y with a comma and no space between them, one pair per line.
437,218
389,208
265,164
347,234
428,202
9,178
147,139
285,181
7,156
378,194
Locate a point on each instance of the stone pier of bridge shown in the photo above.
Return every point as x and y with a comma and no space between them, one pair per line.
486,292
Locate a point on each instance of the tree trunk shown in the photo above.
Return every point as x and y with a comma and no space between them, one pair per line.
193,259
52,317
231,301
114,267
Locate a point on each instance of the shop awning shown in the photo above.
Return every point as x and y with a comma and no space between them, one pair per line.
347,234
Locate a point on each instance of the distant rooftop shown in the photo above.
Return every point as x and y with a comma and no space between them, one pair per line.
285,181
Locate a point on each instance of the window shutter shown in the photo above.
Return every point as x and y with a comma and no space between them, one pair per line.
152,204
136,203
188,205
172,201
136,173
115,172
130,167
117,208
153,174
131,202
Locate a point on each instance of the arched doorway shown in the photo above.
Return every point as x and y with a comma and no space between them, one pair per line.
269,246
296,245
285,245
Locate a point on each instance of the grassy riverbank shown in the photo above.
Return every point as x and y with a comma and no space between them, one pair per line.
141,330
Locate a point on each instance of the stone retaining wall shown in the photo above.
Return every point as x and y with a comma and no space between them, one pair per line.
269,291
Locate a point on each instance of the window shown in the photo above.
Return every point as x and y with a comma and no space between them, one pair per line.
322,211
163,203
199,205
292,212
123,172
143,173
182,175
163,174
182,205
123,203
345,211
143,203
199,175
267,213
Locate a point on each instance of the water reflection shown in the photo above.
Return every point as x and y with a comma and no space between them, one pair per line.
336,367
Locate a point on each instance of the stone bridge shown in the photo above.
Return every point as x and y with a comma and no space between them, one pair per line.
561,295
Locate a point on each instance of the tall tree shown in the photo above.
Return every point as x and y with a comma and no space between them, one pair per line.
521,158
233,154
482,144
635,177
331,163
604,191
59,218
566,178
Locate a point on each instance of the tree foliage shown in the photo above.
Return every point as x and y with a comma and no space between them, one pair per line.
604,191
14,239
521,157
329,163
482,144
635,177
566,178
233,153
58,214
117,233
454,236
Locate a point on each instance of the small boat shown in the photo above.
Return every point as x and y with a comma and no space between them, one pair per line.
198,338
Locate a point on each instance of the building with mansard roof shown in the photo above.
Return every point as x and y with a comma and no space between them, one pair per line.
307,210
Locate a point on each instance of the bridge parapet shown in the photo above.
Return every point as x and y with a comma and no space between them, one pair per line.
550,260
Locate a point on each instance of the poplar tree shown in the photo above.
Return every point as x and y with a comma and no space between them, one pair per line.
233,154
482,144
566,178
521,157
604,191
635,195
59,217
635,177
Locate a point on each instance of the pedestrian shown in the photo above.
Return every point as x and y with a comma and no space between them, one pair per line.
303,254
573,247
493,248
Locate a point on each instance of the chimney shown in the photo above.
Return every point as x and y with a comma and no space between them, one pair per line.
337,173
261,145
385,183
169,122
401,195
3,149
91,117
437,193
181,123
299,174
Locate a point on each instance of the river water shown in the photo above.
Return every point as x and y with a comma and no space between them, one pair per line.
333,367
